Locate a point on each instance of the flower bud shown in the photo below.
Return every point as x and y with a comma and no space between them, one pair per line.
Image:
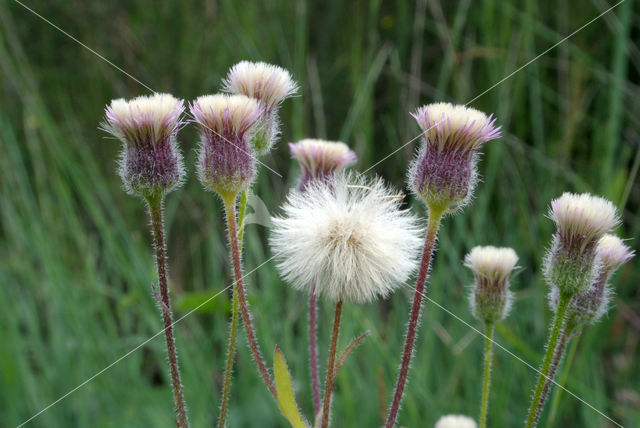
226,161
444,171
455,421
581,220
491,299
320,159
588,307
270,85
150,163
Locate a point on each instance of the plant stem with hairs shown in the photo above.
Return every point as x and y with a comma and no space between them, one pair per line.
329,382
486,375
556,332
313,349
230,211
435,216
155,205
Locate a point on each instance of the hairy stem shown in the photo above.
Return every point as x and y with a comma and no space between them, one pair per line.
157,231
230,210
435,215
328,385
563,379
486,374
313,349
556,331
233,329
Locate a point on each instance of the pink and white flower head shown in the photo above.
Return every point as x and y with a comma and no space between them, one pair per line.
455,421
226,161
490,297
270,85
581,220
150,164
320,159
588,307
349,236
444,171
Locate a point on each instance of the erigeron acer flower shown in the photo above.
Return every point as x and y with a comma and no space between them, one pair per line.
270,85
455,421
491,299
581,220
320,159
444,171
226,161
150,163
347,235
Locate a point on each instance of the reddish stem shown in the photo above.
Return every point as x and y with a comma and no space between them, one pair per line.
157,229
416,310
230,210
328,386
313,349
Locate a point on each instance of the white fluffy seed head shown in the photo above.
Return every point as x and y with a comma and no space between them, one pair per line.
349,237
583,216
455,421
494,263
266,82
612,252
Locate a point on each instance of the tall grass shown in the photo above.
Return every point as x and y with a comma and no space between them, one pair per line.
75,264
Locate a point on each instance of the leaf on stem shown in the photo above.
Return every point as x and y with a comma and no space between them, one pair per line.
285,396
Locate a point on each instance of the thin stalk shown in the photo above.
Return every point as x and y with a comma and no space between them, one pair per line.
556,330
157,232
230,210
313,349
558,353
233,329
435,215
486,375
563,380
328,385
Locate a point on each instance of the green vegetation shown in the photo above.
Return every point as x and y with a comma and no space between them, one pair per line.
75,258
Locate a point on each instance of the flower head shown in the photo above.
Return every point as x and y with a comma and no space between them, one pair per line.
226,162
581,220
270,85
589,306
347,235
150,163
491,266
455,421
444,171
320,159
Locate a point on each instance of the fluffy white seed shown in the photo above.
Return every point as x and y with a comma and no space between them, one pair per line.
349,237
455,421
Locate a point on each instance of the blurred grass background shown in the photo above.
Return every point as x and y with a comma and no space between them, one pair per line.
75,257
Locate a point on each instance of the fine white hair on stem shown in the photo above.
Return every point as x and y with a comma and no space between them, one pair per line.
347,235
455,421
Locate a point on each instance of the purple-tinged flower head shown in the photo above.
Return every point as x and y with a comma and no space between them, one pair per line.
581,220
226,161
320,159
444,172
150,163
588,307
270,85
490,297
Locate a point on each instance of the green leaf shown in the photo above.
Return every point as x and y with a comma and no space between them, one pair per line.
286,399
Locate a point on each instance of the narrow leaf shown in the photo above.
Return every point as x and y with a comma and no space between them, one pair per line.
353,345
286,399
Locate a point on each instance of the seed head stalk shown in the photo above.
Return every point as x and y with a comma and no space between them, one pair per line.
313,349
558,353
486,376
556,331
331,375
155,205
435,216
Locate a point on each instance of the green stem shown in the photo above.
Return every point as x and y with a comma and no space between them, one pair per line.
562,381
556,329
486,377
331,375
242,209
157,228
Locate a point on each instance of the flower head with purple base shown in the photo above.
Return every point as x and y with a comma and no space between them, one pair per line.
581,220
444,171
150,163
270,85
320,159
226,161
